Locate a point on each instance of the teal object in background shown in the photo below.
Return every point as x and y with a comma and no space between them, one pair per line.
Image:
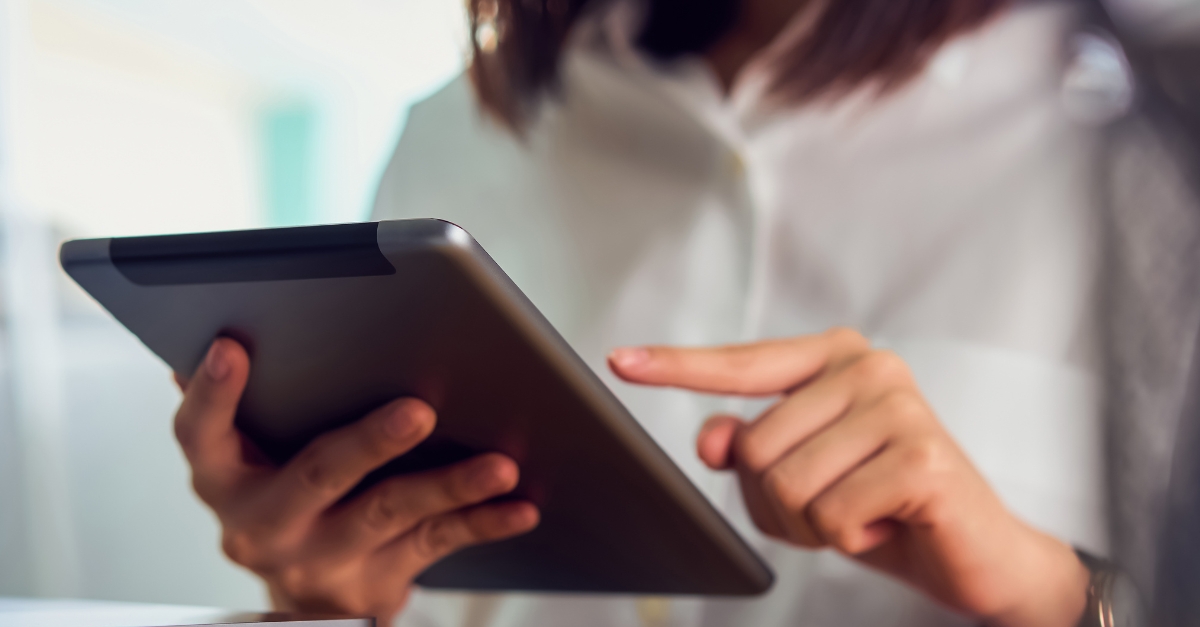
290,172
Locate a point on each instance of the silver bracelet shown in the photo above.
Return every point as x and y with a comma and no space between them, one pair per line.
1112,597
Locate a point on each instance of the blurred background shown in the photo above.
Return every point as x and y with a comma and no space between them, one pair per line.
123,117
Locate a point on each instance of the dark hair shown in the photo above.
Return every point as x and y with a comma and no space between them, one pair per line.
517,43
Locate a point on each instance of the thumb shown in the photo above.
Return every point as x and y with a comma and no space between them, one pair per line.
204,422
715,441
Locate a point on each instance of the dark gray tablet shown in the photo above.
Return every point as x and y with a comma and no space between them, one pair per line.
341,319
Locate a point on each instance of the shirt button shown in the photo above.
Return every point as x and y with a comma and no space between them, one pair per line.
735,164
654,611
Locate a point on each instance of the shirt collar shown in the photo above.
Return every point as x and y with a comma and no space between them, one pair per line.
688,81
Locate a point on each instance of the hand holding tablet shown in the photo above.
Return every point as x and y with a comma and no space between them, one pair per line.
287,525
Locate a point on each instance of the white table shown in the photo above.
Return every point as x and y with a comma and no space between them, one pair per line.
15,612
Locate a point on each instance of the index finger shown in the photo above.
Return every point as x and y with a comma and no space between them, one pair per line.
331,465
757,369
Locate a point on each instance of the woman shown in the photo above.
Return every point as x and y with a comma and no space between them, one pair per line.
712,174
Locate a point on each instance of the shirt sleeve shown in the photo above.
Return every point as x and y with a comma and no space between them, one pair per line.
447,156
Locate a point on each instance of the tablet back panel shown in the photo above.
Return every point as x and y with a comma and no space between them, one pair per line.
341,319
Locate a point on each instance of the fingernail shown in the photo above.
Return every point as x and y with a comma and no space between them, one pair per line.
216,362
401,424
487,477
523,517
629,357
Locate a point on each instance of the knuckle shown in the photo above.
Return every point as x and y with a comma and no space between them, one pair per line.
317,479
317,589
384,512
904,407
298,582
241,547
751,451
882,366
435,538
784,490
846,336
829,519
926,456
379,515
314,474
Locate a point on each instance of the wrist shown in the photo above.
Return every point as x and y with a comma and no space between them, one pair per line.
1055,585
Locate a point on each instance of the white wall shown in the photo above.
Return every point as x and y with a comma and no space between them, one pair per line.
124,117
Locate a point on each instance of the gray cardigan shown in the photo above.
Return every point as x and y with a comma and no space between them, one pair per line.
1150,306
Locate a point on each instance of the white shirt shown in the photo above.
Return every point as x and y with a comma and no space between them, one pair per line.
950,221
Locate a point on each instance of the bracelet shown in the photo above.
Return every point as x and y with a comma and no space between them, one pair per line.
1112,598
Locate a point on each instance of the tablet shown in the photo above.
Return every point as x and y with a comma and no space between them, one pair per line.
340,319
